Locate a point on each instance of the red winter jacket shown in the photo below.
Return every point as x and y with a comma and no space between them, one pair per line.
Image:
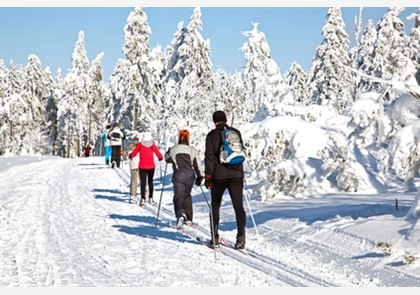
147,160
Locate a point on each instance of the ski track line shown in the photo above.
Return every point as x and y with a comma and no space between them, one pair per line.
126,178
168,215
394,277
285,273
25,213
110,209
46,245
353,268
99,226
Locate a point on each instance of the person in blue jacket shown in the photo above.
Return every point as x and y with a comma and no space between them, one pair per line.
107,144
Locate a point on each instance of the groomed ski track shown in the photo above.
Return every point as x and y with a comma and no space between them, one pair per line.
70,222
297,255
294,277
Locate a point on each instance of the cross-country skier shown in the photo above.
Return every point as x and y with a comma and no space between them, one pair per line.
186,164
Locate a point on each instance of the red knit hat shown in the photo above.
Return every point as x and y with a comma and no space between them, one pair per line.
184,134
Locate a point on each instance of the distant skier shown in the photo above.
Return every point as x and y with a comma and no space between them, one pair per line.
186,164
107,144
134,167
147,149
116,136
87,150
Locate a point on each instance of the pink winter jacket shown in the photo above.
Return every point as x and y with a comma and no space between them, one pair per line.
147,160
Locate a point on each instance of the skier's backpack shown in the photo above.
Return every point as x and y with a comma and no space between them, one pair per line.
232,151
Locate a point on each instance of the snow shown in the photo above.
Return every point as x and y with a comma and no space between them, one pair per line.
70,223
332,200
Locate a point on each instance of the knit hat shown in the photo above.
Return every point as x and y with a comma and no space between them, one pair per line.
219,116
184,135
147,139
135,139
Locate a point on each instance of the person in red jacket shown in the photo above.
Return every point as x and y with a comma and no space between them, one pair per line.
87,151
147,150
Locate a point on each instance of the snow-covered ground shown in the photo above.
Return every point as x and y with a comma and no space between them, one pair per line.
70,222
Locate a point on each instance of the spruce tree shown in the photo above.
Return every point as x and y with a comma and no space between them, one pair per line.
97,99
143,76
414,43
189,82
50,129
391,57
36,93
330,79
295,80
261,74
15,111
365,54
3,106
73,107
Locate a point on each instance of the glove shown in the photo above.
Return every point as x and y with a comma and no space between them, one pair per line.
207,182
199,180
160,159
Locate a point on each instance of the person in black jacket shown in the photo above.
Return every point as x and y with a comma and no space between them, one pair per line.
219,177
185,161
116,136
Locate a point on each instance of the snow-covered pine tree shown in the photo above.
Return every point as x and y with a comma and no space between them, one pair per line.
261,75
59,84
414,43
14,111
50,129
330,80
391,57
118,98
296,79
230,95
364,54
37,94
97,98
189,82
144,85
159,61
171,81
73,107
3,82
3,109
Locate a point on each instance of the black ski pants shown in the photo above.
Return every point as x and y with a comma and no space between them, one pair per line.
146,177
235,188
182,196
116,155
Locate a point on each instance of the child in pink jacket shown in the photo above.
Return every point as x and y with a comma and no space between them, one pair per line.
147,150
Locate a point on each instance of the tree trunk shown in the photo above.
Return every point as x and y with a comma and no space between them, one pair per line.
136,114
90,127
68,141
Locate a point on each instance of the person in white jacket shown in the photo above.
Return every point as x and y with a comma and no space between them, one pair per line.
134,168
116,135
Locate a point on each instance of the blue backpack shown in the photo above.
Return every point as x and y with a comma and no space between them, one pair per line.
232,151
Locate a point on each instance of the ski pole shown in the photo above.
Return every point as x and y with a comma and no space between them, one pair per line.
161,193
213,235
250,212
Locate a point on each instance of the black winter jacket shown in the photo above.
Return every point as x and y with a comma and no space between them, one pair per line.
212,163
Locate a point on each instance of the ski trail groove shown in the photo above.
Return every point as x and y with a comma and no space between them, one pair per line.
285,273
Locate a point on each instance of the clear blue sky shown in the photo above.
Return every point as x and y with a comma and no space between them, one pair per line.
293,33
